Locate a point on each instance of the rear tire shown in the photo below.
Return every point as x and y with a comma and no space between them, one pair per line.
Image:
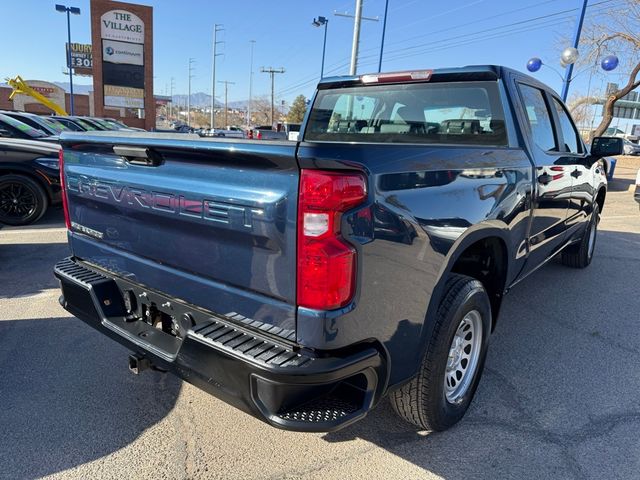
22,200
581,254
440,393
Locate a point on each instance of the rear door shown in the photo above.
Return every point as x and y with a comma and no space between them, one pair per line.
552,179
585,175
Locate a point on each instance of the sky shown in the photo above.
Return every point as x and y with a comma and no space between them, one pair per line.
420,34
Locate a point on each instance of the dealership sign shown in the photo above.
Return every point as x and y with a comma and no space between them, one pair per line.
122,52
122,25
123,97
123,102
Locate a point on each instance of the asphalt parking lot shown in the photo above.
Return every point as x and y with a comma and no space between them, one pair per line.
559,397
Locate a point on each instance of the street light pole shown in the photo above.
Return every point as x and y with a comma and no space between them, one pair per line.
69,11
576,40
384,30
318,22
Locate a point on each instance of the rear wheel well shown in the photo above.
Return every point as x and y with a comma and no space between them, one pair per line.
486,261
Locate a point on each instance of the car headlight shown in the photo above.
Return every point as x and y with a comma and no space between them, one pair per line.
49,163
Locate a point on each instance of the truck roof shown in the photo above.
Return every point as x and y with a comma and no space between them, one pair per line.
469,72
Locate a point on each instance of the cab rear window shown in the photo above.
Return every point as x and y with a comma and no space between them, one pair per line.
468,113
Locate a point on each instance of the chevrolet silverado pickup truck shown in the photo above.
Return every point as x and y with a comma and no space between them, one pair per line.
304,281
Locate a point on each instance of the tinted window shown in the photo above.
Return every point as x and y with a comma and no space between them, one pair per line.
569,132
22,127
539,118
467,113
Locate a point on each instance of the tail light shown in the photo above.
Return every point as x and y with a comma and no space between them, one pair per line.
250,134
326,263
259,135
63,186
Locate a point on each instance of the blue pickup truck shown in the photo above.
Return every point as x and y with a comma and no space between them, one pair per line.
304,281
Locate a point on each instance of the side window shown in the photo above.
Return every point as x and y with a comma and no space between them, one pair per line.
569,132
539,118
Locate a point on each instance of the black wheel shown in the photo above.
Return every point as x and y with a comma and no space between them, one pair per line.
581,254
22,200
440,393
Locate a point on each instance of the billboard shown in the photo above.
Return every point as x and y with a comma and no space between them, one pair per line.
123,75
122,52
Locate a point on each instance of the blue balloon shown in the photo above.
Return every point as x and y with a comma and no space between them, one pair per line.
534,64
610,62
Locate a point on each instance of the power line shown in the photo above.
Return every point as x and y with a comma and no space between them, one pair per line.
405,54
402,53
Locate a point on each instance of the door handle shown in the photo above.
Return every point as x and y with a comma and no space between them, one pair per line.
138,155
576,173
545,179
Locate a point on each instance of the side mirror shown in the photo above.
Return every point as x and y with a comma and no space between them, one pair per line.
607,146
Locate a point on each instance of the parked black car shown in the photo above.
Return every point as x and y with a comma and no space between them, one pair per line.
29,180
47,125
12,128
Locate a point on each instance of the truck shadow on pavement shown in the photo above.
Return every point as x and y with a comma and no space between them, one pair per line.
559,395
67,397
27,268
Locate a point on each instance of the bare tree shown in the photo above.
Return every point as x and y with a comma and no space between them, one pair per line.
579,108
261,110
615,31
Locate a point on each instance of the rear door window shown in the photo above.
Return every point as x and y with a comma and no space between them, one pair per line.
468,113
570,135
539,118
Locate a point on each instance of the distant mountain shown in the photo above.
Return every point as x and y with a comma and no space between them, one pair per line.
203,100
77,88
198,100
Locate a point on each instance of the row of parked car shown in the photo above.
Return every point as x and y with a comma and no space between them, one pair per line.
287,131
29,169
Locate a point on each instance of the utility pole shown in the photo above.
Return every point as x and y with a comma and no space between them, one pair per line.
226,91
171,99
191,62
216,28
253,43
272,71
356,34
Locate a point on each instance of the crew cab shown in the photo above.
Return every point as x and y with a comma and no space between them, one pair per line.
304,281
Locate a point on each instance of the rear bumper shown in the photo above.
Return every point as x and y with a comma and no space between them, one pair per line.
274,381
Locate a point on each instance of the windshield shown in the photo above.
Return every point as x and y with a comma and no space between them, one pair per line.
23,127
54,125
467,113
84,124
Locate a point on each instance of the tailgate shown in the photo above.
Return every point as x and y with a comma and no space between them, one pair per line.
210,222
